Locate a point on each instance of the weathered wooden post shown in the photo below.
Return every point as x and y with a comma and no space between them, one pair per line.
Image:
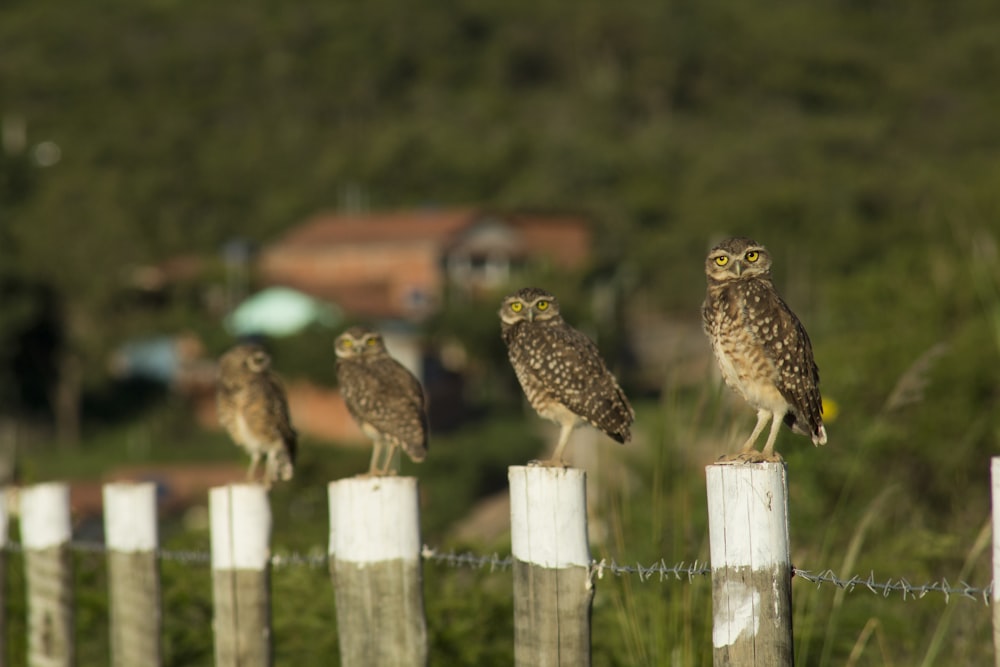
751,567
995,487
45,534
377,573
131,537
240,518
4,521
553,590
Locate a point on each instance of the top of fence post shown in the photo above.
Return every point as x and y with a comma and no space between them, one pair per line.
45,517
130,516
240,538
548,509
374,519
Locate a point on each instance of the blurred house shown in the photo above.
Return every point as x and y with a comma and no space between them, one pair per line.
389,269
392,269
395,266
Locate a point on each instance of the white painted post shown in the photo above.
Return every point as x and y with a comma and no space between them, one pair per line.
995,488
377,572
4,520
45,534
131,537
553,590
240,519
751,567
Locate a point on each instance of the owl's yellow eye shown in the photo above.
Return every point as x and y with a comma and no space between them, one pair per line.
370,342
516,306
752,256
347,342
542,305
722,261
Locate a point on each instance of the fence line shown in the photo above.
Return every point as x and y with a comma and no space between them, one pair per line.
550,557
660,571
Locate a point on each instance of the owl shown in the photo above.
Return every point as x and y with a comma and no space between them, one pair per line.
762,348
560,370
384,398
253,409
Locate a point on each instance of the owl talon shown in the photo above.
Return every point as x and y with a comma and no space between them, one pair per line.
750,456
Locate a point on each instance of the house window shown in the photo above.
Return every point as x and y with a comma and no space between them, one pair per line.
479,269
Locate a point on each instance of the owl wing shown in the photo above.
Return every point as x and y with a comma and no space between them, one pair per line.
226,405
282,416
268,414
789,348
588,388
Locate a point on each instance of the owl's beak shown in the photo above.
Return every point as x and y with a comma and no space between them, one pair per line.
739,268
531,315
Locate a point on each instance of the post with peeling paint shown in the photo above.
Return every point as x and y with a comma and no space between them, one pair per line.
45,534
995,486
240,519
377,572
751,567
553,590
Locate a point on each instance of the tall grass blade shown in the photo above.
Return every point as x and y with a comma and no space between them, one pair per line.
937,639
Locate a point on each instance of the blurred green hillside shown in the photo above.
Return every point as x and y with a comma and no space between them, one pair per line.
860,141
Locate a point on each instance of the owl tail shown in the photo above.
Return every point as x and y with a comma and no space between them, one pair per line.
416,451
815,431
281,460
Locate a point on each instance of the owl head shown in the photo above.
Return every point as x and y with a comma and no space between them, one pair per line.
358,342
530,304
738,258
244,359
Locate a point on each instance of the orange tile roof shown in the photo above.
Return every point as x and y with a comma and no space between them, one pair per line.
409,225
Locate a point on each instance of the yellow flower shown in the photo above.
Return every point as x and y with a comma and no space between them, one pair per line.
830,410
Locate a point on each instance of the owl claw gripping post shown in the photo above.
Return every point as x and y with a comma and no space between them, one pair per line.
384,398
762,348
560,370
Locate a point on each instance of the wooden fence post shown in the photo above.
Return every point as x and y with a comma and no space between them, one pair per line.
751,568
995,488
4,521
130,534
553,590
240,518
377,573
45,534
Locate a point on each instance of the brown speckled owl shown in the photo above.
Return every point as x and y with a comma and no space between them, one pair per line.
762,348
254,411
561,370
384,398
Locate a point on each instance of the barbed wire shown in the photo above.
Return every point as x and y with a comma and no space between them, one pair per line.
661,571
900,585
